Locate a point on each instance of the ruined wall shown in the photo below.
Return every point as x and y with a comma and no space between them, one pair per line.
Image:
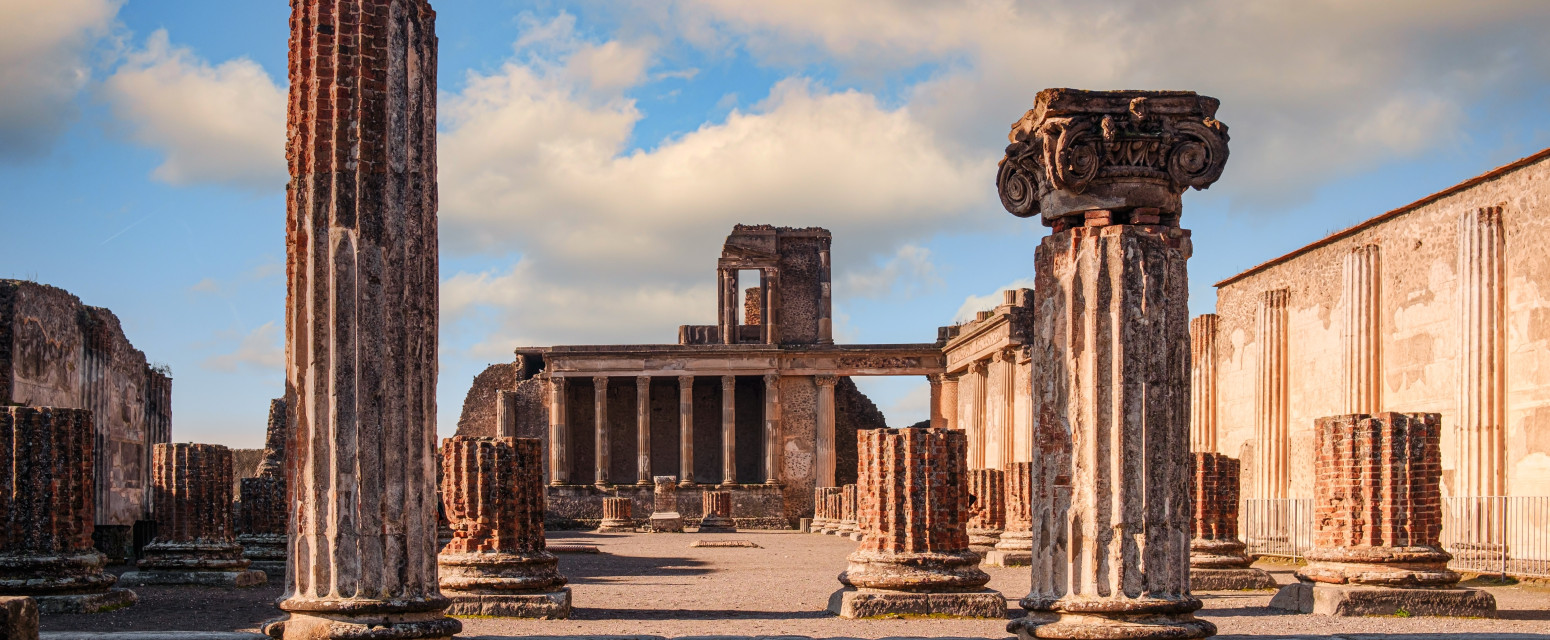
1419,334
853,413
478,418
57,352
801,288
799,437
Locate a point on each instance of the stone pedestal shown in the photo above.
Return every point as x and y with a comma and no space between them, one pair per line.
987,515
1217,561
1106,170
616,516
664,515
1014,547
913,508
1378,513
47,507
194,543
718,513
261,525
18,618
496,564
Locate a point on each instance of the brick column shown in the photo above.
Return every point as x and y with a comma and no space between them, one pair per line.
1377,511
559,460
772,428
686,431
497,564
987,517
826,444
48,508
664,514
361,322
643,430
601,455
261,524
1014,548
195,542
913,505
717,517
616,516
1202,383
1216,557
728,431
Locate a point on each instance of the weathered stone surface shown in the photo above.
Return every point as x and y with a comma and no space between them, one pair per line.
361,323
47,469
987,516
1354,600
18,618
913,507
718,513
261,524
664,515
1014,547
1217,560
849,525
275,433
195,542
616,516
497,563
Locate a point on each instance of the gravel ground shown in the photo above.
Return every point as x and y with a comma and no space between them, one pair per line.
657,585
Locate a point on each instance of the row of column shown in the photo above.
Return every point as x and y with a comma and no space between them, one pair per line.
982,402
731,301
559,460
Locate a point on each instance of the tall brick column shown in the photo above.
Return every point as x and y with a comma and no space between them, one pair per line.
1377,512
264,514
1216,557
913,506
497,564
987,517
718,513
361,322
1106,171
664,513
48,507
195,542
1014,547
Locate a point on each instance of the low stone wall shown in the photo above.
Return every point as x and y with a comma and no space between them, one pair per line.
754,506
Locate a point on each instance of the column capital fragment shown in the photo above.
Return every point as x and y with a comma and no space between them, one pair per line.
826,379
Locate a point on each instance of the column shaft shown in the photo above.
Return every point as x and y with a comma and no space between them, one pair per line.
1202,378
1360,334
1482,386
643,430
825,299
772,428
1271,440
949,405
826,443
600,429
559,461
686,430
728,430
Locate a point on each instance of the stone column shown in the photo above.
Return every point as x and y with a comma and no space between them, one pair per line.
261,524
361,322
601,455
1217,561
1106,171
616,516
729,300
913,506
194,541
48,472
1482,387
987,516
505,413
1014,547
686,430
1271,438
559,436
979,374
728,431
994,430
664,515
643,430
497,564
717,516
848,527
772,428
1377,512
826,441
948,406
1006,359
1361,346
1202,383
771,317
823,520
938,416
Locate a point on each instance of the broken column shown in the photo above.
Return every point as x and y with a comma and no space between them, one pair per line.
1217,560
361,323
664,515
262,517
195,542
48,507
1014,547
497,564
822,520
718,513
1106,171
1377,512
987,515
914,509
848,526
616,516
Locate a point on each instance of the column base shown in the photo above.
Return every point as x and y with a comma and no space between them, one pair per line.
667,523
410,626
1214,579
851,602
713,524
1345,600
616,526
229,579
542,605
1111,626
18,617
86,602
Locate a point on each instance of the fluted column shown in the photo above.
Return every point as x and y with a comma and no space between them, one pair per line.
195,542
728,430
686,430
947,404
975,425
772,428
616,516
717,512
1271,438
826,442
729,304
1014,547
987,518
1482,386
601,455
559,436
1202,378
1360,334
361,314
643,430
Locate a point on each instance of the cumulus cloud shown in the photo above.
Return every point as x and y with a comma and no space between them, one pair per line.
973,304
907,272
260,349
44,63
221,124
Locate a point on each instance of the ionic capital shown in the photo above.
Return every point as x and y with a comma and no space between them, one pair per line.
826,380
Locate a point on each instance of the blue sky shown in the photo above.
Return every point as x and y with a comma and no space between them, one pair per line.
594,154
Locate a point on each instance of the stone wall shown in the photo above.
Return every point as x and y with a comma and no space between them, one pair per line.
801,277
853,413
478,418
1421,316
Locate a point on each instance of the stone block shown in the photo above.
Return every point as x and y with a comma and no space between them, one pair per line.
851,602
1000,558
546,605
203,578
86,602
1348,600
1230,579
18,618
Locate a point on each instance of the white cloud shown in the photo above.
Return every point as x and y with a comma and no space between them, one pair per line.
907,272
220,123
44,63
974,304
259,349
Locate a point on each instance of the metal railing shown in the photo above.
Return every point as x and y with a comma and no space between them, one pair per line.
1501,535
1278,527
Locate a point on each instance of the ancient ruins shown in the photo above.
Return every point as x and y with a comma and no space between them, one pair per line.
987,518
1217,560
195,542
262,513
